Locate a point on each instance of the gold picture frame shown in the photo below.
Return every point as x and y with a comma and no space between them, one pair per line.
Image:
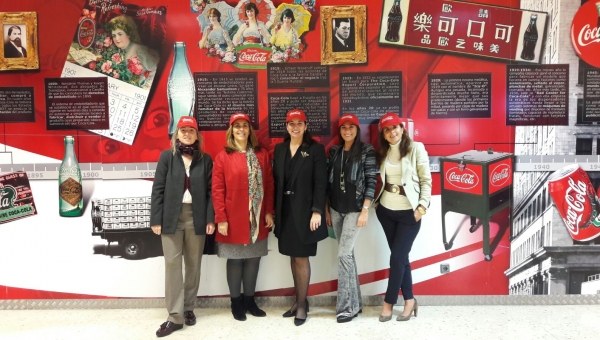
337,49
10,57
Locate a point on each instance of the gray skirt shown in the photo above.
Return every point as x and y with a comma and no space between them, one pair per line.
242,251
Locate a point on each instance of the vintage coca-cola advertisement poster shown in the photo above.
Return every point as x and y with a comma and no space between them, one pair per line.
122,41
16,198
462,27
254,32
585,33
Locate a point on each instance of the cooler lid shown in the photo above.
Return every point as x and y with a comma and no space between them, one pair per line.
477,156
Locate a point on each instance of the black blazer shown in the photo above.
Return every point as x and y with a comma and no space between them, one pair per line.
310,176
336,45
10,51
167,191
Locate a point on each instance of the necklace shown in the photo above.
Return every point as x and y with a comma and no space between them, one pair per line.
342,180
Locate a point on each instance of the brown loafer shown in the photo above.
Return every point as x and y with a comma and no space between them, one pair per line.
190,318
167,328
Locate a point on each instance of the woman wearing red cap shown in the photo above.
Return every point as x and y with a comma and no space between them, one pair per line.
351,187
243,199
182,213
300,173
403,199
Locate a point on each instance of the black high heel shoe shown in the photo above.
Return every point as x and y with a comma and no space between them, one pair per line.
291,313
298,321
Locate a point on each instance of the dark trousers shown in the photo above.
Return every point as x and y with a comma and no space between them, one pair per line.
400,229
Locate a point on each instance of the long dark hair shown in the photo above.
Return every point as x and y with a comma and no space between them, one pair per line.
384,146
355,152
306,138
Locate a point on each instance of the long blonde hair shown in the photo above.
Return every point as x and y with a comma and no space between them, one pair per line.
232,147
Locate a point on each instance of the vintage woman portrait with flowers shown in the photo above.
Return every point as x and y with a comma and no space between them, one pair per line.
121,54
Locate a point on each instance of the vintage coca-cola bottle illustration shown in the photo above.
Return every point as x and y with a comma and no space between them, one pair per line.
530,39
70,199
394,23
180,88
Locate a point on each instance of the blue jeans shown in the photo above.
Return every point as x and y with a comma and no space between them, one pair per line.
349,299
401,229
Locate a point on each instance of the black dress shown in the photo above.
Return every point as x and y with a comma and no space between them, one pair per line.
289,240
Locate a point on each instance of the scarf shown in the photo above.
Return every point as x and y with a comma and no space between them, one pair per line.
255,189
187,149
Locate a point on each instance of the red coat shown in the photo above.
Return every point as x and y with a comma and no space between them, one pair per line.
231,197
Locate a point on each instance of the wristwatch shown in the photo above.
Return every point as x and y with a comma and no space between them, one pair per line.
422,210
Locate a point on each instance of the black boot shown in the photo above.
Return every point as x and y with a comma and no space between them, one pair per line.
237,308
252,308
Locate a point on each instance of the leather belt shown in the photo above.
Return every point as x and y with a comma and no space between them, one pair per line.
395,189
288,192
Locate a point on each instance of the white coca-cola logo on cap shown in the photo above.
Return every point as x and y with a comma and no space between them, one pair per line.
386,119
187,120
239,115
465,179
347,117
500,175
295,113
575,205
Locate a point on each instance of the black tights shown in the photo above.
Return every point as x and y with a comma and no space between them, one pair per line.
301,274
245,270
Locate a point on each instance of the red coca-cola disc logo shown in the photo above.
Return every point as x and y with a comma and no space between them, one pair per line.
585,33
86,32
462,179
500,175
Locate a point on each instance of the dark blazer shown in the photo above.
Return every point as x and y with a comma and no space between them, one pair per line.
310,176
336,45
363,174
10,51
167,191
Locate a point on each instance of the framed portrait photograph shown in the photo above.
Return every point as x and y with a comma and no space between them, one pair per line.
343,35
19,41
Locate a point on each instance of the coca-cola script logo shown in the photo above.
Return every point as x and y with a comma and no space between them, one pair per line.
585,33
253,56
466,179
575,198
500,175
86,32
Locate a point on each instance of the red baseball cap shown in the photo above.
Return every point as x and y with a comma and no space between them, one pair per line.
239,115
348,118
389,119
295,114
187,121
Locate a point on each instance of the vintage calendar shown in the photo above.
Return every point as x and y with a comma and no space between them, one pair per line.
121,41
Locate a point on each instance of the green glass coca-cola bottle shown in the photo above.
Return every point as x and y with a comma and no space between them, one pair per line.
70,198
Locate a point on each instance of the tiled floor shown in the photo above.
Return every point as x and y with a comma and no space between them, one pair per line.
433,322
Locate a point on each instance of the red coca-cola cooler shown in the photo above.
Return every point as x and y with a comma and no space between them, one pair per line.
479,184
